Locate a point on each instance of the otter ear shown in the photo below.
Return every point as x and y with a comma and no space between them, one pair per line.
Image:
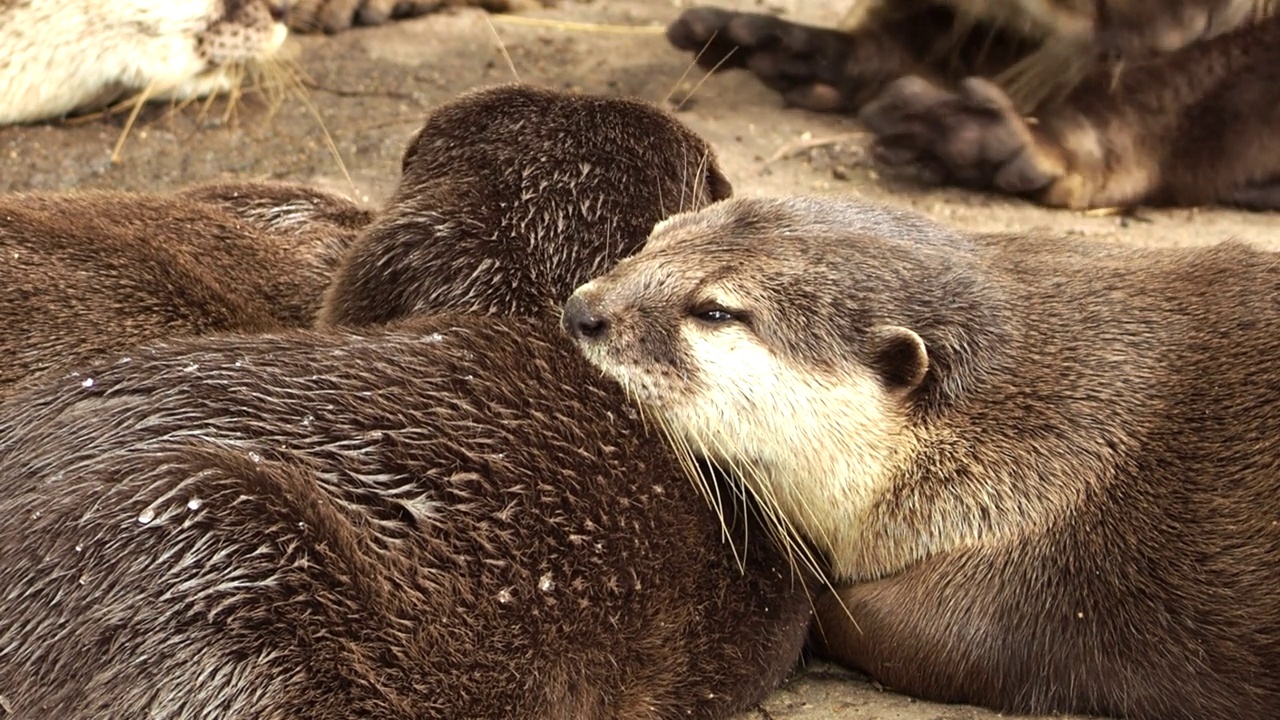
899,356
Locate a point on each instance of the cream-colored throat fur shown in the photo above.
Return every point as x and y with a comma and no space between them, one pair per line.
61,56
818,449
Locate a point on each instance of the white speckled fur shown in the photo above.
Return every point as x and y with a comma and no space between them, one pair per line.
59,56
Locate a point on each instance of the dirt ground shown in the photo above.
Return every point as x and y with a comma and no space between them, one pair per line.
373,86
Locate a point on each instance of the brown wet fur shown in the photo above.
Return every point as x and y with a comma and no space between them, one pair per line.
449,517
457,518
1132,102
516,195
96,272
1085,519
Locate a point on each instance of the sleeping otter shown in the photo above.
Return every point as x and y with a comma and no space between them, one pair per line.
61,57
86,274
1072,104
446,517
1047,469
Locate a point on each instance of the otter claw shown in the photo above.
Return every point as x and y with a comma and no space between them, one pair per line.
974,136
807,65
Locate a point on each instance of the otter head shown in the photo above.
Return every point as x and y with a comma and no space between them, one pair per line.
234,36
795,343
512,196
244,30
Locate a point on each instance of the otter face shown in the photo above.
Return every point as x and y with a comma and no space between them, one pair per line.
742,329
242,33
247,30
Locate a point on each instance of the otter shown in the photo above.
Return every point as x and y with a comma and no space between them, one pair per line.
444,516
89,273
67,56
1074,105
512,196
453,518
1045,471
63,57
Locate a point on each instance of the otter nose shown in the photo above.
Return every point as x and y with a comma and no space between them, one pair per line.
279,10
580,322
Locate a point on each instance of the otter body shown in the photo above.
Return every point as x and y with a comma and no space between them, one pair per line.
1047,470
67,56
455,519
1128,102
447,517
510,197
86,274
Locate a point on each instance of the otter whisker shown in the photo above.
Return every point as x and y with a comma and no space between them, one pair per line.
752,478
704,78
687,68
305,100
138,101
502,47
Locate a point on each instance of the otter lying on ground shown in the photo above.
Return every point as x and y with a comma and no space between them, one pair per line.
1046,469
59,57
510,197
448,517
457,518
88,274
1129,101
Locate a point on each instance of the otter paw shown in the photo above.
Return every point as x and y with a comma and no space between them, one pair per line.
333,16
973,137
1259,196
805,64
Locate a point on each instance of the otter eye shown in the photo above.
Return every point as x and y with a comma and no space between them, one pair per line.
715,315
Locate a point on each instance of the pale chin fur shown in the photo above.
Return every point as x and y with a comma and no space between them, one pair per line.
817,451
68,55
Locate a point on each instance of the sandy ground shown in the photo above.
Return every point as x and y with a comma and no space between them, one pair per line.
373,86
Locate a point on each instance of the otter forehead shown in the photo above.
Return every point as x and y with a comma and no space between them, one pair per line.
791,247
809,277
784,227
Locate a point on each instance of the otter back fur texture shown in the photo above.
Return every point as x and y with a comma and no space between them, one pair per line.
455,519
86,274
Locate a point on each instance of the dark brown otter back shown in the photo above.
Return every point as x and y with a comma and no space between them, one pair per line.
89,273
512,196
456,519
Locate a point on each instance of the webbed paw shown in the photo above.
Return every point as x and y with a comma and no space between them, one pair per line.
973,137
333,16
809,66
